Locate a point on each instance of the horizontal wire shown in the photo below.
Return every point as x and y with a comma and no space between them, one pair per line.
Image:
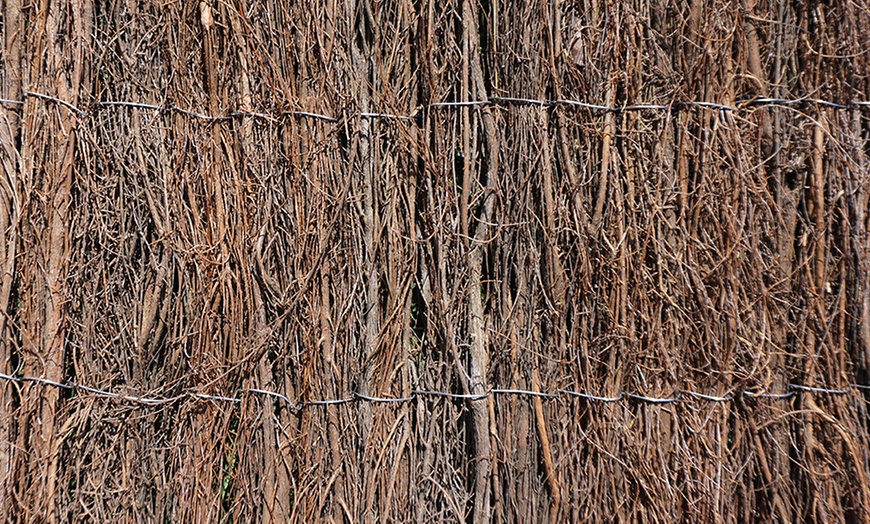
39,380
384,116
458,396
793,389
523,392
654,400
251,114
271,394
131,398
593,397
819,390
331,402
740,105
710,105
215,397
711,398
522,101
460,104
99,392
645,107
750,394
57,100
584,105
367,398
139,105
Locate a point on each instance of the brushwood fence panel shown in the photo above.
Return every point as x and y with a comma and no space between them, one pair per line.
460,261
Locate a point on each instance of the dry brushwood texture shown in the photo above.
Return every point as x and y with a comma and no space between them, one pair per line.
149,251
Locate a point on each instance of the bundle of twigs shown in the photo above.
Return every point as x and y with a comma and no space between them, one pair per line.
225,228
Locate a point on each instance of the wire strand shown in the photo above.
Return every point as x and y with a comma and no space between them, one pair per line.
739,106
679,395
